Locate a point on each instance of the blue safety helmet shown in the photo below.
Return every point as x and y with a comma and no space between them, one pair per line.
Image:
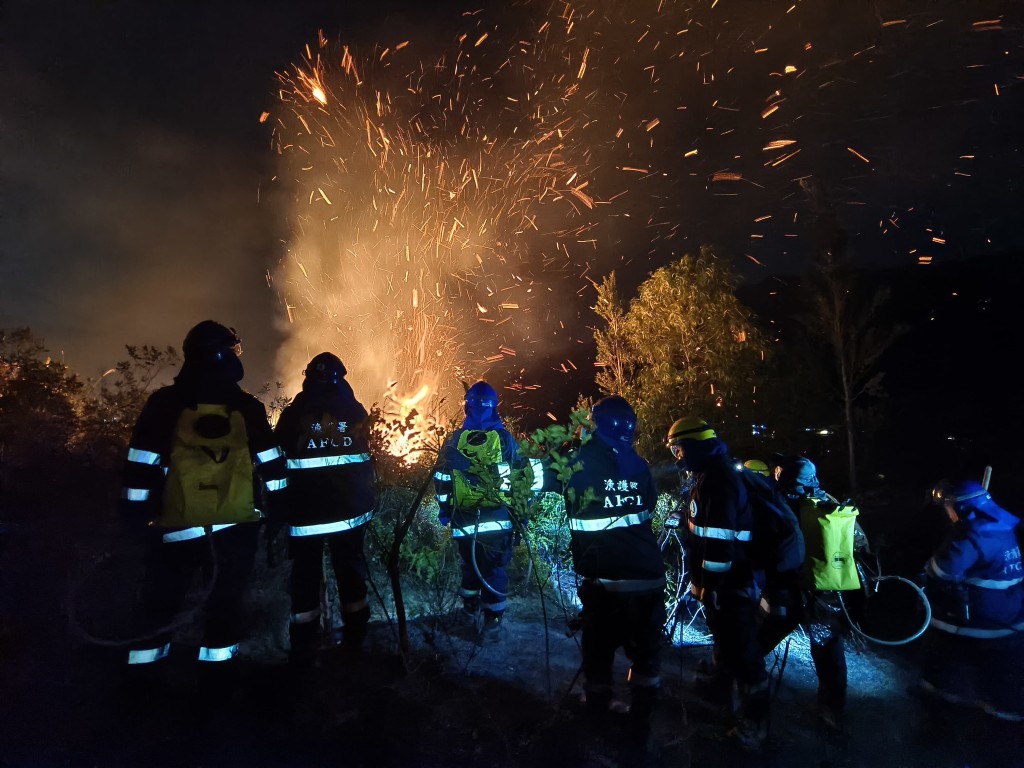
481,407
965,495
614,420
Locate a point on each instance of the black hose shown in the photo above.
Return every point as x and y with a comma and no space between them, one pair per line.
184,620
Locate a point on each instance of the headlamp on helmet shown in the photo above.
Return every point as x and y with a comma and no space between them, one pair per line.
956,493
614,420
325,368
210,342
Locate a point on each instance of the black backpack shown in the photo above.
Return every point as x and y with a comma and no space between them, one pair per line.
777,543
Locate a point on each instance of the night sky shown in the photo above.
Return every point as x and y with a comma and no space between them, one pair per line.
136,192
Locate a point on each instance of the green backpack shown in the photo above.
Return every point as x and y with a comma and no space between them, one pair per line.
830,532
210,475
481,485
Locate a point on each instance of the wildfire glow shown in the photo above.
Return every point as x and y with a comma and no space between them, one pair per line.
449,205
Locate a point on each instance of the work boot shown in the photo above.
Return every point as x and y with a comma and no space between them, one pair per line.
642,699
490,627
720,690
749,734
303,637
596,706
355,629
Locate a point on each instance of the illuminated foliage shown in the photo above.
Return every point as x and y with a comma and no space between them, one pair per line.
684,345
37,400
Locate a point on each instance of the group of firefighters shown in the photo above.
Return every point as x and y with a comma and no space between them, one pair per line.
317,481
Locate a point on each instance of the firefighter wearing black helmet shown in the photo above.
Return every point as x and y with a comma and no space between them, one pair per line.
616,555
180,503
330,500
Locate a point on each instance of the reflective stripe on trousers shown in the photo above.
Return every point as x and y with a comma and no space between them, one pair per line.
149,655
218,654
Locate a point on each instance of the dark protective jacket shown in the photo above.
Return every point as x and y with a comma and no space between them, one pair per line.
720,522
490,515
151,441
330,471
611,537
975,579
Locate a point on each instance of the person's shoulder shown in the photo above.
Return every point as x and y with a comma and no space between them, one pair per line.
248,400
165,397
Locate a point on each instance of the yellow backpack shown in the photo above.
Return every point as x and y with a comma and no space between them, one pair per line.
829,530
483,484
210,475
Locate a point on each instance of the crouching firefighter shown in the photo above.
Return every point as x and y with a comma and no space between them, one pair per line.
473,483
330,500
202,454
609,504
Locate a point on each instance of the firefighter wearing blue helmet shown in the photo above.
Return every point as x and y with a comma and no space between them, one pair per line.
975,583
609,505
472,481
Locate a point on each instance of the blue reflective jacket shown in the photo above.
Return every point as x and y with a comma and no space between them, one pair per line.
975,579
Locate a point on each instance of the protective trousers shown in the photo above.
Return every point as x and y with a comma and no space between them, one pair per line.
485,558
633,622
226,557
348,560
818,613
733,625
986,672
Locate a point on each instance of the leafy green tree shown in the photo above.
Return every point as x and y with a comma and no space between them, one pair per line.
684,345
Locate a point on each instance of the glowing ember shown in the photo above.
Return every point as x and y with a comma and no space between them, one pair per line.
452,208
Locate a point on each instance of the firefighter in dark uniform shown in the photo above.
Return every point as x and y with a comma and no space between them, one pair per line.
330,500
471,481
790,604
208,381
717,544
974,650
609,504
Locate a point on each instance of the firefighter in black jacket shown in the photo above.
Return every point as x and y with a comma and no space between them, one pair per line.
330,500
188,508
717,556
609,504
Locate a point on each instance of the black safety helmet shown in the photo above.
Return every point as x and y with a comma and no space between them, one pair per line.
325,368
209,343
